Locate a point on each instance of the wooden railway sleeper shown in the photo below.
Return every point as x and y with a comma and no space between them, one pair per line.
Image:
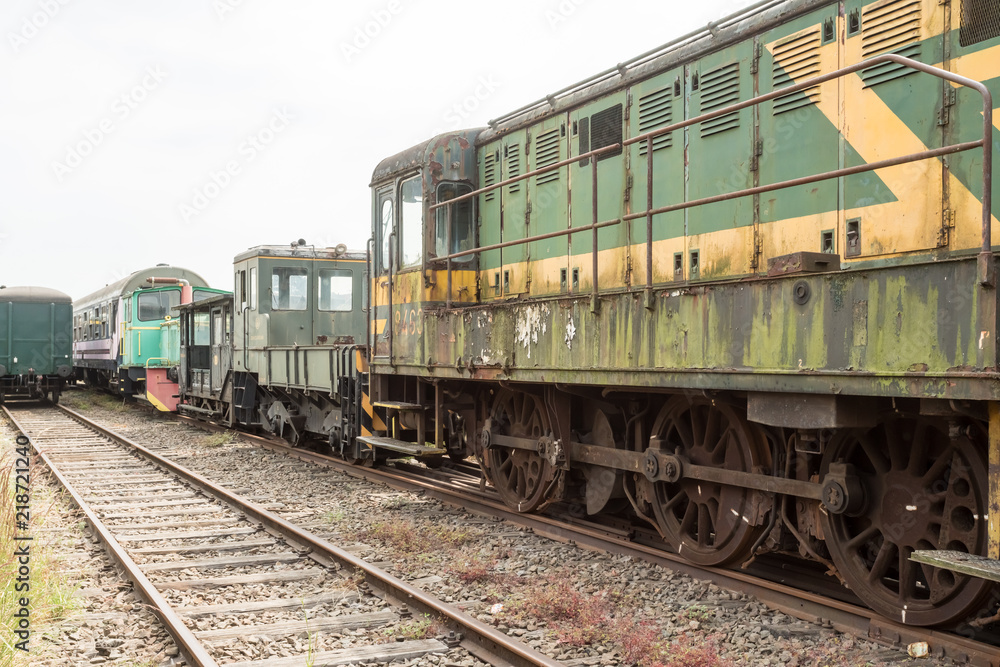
839,491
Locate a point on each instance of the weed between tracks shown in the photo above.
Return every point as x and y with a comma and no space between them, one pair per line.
575,618
51,596
93,398
217,439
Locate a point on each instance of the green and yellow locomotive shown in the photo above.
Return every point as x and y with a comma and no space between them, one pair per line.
744,285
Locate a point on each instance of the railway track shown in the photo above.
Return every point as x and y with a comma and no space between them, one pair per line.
786,588
177,534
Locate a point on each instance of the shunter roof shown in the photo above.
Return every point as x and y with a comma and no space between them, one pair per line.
33,295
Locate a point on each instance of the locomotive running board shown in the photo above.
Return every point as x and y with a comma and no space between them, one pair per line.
959,561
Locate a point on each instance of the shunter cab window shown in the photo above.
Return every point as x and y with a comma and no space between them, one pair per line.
201,329
156,305
335,289
253,289
289,288
461,222
201,295
412,201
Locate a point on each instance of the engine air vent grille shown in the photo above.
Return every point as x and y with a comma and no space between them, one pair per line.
655,111
513,167
489,175
980,21
796,59
892,26
547,151
720,88
606,130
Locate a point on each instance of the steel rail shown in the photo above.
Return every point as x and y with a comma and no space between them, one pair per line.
488,643
194,653
812,607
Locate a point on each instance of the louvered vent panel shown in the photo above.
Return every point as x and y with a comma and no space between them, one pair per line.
980,21
720,88
514,167
547,151
795,60
656,110
890,27
606,130
490,176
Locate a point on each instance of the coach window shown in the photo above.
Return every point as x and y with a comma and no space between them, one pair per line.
253,289
461,222
156,305
335,289
289,288
412,206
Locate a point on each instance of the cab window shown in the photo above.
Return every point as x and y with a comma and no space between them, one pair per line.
253,289
412,205
201,329
385,229
335,289
462,217
201,295
289,288
156,305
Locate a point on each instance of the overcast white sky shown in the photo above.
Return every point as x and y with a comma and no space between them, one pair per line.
186,131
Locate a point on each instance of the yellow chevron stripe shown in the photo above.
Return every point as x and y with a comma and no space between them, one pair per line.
875,131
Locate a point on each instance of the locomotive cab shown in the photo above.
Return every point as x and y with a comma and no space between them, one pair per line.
298,321
206,360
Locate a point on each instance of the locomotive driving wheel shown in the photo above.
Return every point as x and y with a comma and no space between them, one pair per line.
924,488
708,523
522,477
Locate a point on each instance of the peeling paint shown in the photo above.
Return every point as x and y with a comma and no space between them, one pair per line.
529,322
570,333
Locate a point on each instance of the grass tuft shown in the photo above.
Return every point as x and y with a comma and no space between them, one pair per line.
410,539
217,439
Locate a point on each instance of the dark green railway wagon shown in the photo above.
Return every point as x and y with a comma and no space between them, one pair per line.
36,341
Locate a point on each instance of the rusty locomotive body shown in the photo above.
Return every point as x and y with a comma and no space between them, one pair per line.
743,288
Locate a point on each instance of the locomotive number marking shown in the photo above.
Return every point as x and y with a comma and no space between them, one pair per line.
409,322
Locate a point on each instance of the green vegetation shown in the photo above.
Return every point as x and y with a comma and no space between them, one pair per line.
218,439
52,596
412,540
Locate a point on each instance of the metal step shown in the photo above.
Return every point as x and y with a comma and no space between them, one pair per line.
399,405
959,561
409,448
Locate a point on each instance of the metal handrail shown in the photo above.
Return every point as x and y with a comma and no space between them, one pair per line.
622,68
986,273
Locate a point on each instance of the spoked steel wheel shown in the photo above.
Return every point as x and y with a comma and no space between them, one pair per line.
521,477
924,489
708,523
